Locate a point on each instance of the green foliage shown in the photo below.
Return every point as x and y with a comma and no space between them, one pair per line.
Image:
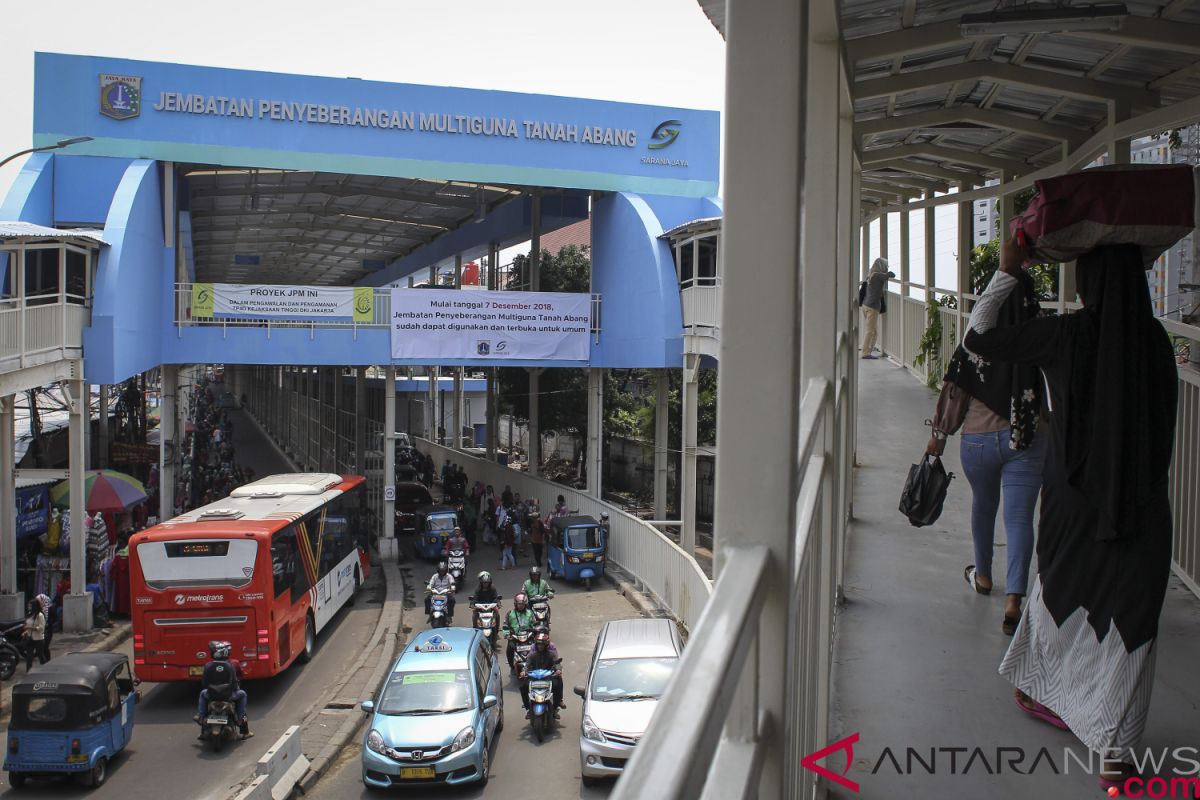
985,260
929,349
569,271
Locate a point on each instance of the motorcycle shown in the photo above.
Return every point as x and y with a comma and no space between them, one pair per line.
485,617
539,604
456,560
524,643
219,723
541,701
11,647
439,609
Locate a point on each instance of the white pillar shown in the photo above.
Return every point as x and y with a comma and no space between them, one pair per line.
166,443
966,239
757,416
12,601
687,478
905,356
387,547
661,460
535,431
77,606
595,432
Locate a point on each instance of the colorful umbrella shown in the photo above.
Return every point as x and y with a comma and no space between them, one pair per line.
103,490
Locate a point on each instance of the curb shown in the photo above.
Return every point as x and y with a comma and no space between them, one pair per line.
389,630
645,603
112,640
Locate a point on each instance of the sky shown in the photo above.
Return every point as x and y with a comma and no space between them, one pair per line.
662,52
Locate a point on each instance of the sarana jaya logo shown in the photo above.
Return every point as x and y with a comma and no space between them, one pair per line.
1161,772
665,134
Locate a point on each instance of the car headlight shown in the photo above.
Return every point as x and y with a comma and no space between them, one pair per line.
465,738
590,731
375,741
572,560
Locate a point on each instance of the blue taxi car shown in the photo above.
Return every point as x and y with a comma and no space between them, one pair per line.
437,714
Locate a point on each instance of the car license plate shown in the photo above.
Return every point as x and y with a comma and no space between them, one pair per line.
588,556
418,772
216,721
195,672
80,758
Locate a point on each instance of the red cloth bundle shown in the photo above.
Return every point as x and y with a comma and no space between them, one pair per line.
1150,205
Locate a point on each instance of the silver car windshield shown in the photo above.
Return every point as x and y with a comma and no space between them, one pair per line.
417,693
632,678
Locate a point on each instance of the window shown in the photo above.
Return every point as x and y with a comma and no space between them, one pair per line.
41,275
706,261
686,260
483,672
426,693
46,709
632,678
76,277
114,694
583,538
196,562
284,560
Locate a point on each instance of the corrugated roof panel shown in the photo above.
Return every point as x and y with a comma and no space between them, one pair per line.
28,230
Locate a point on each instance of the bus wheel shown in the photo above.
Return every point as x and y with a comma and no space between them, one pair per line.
310,640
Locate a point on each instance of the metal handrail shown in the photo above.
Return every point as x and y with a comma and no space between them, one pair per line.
687,724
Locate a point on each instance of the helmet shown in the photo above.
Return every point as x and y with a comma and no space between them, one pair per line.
520,601
535,573
485,577
220,650
457,530
604,516
443,567
541,637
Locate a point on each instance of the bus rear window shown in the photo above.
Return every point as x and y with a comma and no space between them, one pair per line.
198,562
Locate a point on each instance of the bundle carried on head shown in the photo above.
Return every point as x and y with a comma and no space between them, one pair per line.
1149,205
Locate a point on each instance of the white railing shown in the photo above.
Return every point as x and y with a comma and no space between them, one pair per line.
28,330
1185,465
1185,480
637,547
701,304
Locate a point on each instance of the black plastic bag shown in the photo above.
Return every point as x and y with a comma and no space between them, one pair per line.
925,491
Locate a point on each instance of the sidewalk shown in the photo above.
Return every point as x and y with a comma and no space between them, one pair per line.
917,652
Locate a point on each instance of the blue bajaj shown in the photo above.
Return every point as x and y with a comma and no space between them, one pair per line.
577,549
434,526
71,716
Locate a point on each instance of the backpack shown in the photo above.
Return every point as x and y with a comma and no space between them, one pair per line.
862,293
220,678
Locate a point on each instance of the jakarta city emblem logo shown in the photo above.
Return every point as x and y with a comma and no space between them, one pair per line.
665,134
120,96
483,347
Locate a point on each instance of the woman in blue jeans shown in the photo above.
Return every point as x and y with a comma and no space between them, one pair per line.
998,407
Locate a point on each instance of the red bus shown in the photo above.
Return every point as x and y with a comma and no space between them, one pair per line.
264,569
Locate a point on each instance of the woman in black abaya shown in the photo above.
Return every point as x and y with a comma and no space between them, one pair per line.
1083,655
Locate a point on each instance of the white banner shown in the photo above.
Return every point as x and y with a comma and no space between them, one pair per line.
251,301
450,324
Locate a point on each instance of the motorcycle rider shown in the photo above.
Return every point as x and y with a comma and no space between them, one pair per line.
541,658
485,592
456,541
223,670
440,580
604,522
518,620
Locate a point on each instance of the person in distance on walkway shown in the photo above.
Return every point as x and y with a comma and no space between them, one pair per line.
998,406
873,303
1084,652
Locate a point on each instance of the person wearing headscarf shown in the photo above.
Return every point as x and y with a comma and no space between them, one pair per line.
1084,652
872,304
998,406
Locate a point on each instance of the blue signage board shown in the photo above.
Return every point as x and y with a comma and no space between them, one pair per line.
174,112
33,511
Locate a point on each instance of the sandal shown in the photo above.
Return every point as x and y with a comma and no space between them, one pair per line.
1038,711
1009,626
969,576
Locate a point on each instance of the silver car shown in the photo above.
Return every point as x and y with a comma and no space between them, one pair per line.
630,670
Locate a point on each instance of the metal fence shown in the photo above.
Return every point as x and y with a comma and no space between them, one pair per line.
640,549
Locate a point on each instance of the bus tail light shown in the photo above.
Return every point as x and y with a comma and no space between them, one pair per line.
139,662
264,642
139,649
264,656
